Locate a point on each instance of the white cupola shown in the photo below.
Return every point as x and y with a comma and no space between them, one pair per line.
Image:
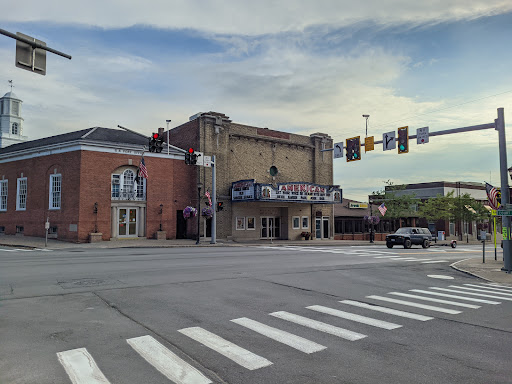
11,122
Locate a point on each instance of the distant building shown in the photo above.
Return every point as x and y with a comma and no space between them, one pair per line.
11,122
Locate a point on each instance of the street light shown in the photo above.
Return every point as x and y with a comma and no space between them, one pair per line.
366,117
168,121
371,220
199,186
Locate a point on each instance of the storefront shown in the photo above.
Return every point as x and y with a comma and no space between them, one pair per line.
283,211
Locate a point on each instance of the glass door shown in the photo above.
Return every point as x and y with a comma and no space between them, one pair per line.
270,227
318,228
127,222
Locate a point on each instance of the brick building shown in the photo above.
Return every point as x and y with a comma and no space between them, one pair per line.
272,184
83,182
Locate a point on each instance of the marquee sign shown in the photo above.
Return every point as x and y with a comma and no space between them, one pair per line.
245,190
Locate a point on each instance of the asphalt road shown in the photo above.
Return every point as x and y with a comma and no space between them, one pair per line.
216,314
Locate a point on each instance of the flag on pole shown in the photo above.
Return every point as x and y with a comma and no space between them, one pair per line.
143,171
382,209
492,196
207,194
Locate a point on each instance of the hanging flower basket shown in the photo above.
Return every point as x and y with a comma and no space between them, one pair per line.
372,219
189,212
207,212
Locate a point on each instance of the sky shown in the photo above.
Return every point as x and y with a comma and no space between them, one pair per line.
293,65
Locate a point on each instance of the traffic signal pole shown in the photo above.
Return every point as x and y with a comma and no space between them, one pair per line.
214,203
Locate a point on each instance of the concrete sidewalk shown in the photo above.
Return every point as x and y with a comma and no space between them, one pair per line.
490,270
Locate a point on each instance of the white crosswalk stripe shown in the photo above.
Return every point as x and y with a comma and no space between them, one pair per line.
284,337
498,285
318,325
435,261
455,296
81,367
166,362
441,301
471,293
390,311
490,289
481,290
354,317
226,348
417,305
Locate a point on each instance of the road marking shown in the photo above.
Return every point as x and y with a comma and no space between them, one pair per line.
497,285
435,261
481,290
81,367
166,362
226,348
491,289
435,300
284,337
407,259
471,293
390,311
411,304
8,250
318,325
387,257
456,297
354,317
441,277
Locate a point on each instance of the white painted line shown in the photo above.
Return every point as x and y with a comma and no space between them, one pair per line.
456,297
440,277
226,348
471,293
166,362
411,304
497,285
319,326
491,289
284,337
354,317
435,300
435,261
390,311
407,259
481,290
81,367
8,250
387,257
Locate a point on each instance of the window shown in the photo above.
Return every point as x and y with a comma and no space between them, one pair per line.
2,230
14,130
21,195
296,222
3,195
15,108
251,223
125,188
20,229
305,222
240,223
55,191
116,185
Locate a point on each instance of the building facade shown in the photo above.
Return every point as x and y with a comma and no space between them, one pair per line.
271,184
84,183
11,121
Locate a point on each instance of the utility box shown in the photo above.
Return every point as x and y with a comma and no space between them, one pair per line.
441,235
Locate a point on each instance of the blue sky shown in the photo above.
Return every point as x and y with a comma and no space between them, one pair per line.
296,66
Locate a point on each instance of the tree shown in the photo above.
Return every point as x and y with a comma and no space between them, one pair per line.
399,204
438,208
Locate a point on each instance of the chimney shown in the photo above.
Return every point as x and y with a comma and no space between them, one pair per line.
160,131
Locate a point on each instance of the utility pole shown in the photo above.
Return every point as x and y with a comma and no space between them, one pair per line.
214,202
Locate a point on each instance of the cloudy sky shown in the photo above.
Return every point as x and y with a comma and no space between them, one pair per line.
292,65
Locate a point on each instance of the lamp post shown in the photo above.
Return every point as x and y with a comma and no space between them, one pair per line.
160,213
168,121
371,220
366,117
95,211
199,186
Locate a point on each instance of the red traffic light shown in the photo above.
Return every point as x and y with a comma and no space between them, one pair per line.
191,150
155,135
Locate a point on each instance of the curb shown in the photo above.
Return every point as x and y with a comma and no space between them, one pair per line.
467,272
18,246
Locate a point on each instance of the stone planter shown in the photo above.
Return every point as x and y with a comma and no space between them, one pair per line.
161,235
95,237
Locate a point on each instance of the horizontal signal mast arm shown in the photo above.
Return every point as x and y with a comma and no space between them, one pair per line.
33,43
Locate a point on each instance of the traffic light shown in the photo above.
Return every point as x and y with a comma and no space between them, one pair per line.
188,156
153,142
353,146
159,143
220,206
403,140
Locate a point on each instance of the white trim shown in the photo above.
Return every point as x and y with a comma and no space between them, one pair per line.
18,208
50,192
6,194
293,222
242,227
302,222
247,223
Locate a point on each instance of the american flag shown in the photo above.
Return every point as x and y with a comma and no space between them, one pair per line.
492,195
143,171
382,209
207,194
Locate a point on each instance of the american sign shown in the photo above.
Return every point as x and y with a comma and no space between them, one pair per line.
299,192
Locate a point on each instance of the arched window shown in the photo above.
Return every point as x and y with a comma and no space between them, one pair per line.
124,186
14,130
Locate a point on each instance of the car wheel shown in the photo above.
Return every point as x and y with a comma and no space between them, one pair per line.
407,243
389,245
425,243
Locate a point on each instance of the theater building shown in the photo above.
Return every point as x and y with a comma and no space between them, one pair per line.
271,184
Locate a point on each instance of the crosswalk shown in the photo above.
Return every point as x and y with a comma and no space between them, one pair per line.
81,367
24,249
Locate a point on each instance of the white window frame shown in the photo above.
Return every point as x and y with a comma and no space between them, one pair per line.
240,223
51,199
298,222
21,203
3,197
302,222
253,228
14,128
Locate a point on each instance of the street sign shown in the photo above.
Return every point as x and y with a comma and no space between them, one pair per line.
503,213
207,161
200,158
338,150
388,141
368,144
422,135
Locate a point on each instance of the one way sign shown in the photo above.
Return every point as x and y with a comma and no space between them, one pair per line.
388,141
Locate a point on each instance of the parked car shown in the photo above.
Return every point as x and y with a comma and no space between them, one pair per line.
408,236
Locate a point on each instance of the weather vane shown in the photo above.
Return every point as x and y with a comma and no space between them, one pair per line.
10,83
